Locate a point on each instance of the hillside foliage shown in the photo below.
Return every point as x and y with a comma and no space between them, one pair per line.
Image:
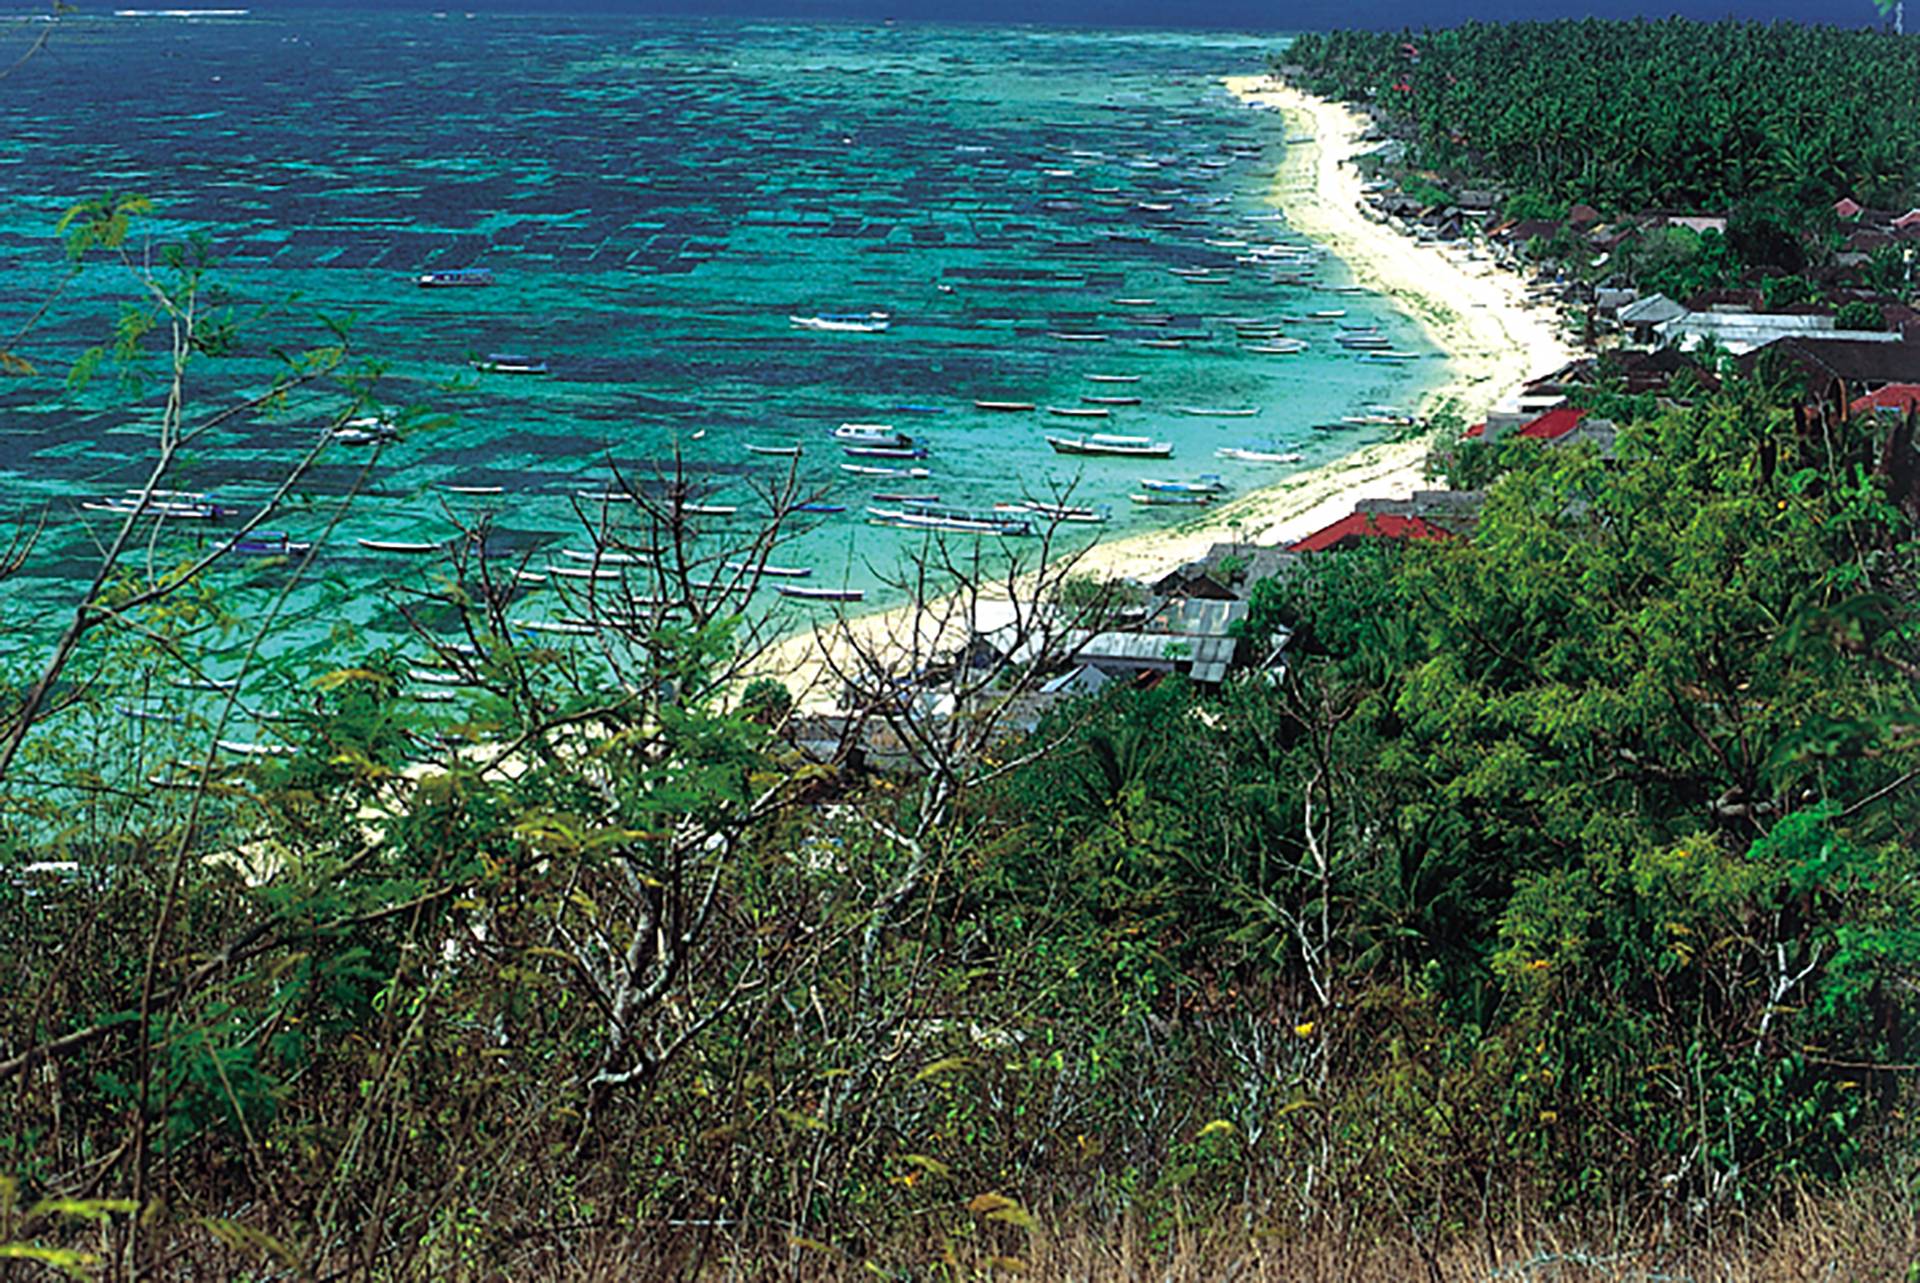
1635,115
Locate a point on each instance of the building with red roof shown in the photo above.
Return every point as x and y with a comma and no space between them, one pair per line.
1554,424
1350,529
1901,398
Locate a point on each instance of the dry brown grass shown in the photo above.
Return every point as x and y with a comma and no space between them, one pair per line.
1872,1236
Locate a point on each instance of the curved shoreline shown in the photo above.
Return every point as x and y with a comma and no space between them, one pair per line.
1493,339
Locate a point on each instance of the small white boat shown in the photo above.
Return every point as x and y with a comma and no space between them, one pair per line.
509,363
1259,456
820,594
862,470
882,434
772,572
1101,444
1282,347
565,627
785,451
1079,411
1111,400
398,545
608,557
1134,302
1209,484
844,323
1062,336
474,490
1054,511
586,572
1171,499
247,749
1004,407
709,509
1218,412
1114,378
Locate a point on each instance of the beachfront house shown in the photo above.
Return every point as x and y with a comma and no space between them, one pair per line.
1738,333
1840,370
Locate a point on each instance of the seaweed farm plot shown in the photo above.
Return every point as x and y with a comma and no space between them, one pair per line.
678,244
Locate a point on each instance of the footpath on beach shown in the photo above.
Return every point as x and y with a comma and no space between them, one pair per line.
1478,316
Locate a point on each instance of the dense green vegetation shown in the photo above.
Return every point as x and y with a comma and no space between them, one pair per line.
1568,879
1626,116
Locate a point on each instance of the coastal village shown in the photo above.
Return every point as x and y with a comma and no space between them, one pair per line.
1567,333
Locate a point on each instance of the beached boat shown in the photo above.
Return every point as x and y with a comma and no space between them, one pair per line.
509,363
1208,484
1005,407
1079,411
1101,444
844,322
784,451
1158,498
799,593
455,278
1241,455
871,434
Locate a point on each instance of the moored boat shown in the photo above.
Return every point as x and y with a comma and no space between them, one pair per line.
509,363
398,545
1208,484
844,322
1079,411
871,434
799,593
1171,499
455,278
772,572
1101,444
1004,407
1259,456
885,451
784,451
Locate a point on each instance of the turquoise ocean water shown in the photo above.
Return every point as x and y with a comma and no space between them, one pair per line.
657,197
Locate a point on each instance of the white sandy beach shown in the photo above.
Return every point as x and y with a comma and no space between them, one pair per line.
1493,338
